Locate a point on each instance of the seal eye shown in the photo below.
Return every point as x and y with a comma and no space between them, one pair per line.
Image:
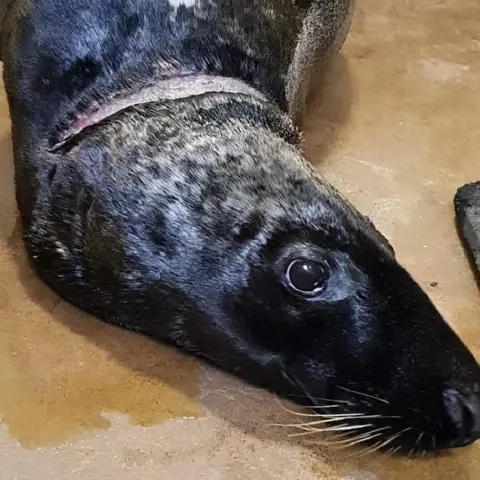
307,277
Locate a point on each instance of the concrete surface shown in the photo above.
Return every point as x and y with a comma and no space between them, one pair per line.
397,128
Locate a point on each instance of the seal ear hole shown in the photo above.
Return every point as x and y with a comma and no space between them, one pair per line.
248,229
307,277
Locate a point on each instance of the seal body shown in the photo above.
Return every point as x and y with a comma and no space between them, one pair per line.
162,188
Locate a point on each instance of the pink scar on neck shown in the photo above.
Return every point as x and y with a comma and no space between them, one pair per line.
168,89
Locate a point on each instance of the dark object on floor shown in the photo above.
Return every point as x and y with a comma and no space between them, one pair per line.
467,212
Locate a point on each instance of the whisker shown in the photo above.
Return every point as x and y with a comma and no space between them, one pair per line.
330,415
323,407
336,418
326,419
389,452
318,415
393,437
364,395
311,424
419,438
307,432
332,443
412,450
365,451
381,429
297,383
346,402
359,440
346,415
337,439
363,415
314,400
336,428
395,450
380,445
345,438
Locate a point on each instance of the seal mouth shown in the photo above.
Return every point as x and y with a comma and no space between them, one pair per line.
335,424
368,423
346,427
171,88
353,419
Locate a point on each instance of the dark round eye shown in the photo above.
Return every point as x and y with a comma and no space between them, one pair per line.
307,277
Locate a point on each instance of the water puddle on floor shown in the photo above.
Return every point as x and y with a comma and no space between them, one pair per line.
61,369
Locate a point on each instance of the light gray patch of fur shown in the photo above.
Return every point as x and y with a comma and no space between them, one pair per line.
185,3
323,32
61,249
209,146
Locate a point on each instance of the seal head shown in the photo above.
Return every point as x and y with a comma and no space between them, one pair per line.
225,242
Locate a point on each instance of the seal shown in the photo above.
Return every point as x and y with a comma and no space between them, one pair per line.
162,188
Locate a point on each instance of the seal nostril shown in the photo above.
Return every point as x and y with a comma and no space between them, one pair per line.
464,412
472,404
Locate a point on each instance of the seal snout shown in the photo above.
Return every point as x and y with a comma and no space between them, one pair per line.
463,410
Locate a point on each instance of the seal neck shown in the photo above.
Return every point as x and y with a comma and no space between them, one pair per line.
171,88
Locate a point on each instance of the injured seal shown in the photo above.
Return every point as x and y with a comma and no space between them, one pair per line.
162,188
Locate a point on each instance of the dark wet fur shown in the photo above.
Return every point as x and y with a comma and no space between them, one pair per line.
175,218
